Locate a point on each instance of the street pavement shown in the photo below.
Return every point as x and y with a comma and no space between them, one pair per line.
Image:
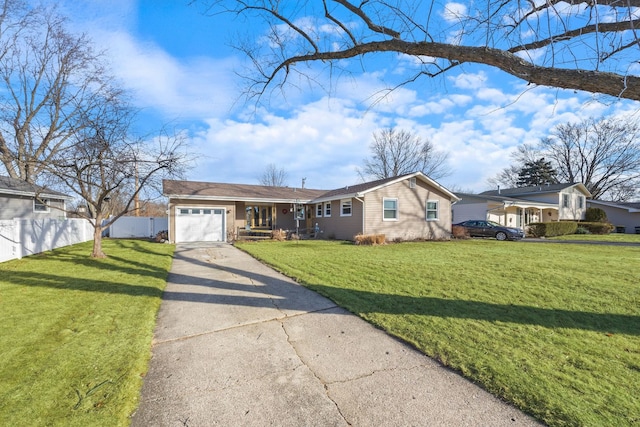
238,344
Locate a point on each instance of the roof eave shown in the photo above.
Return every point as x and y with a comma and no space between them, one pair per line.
235,199
32,194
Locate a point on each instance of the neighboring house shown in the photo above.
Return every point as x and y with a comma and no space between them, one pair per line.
621,215
19,199
408,207
517,207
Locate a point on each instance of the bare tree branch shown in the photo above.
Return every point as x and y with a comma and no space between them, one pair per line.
582,45
397,152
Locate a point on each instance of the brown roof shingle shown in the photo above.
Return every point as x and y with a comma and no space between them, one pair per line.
213,190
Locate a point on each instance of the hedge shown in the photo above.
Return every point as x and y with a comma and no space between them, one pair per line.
550,229
598,227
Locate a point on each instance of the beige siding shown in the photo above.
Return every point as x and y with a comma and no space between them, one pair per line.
341,227
573,211
412,222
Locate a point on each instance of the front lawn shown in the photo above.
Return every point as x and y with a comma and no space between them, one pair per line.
554,329
613,237
76,333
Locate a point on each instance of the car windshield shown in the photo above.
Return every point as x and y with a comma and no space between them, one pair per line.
493,224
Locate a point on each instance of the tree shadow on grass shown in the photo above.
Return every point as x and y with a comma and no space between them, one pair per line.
260,289
369,302
61,282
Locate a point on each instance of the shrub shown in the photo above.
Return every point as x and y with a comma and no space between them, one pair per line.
598,227
550,229
595,215
369,239
459,232
582,230
279,235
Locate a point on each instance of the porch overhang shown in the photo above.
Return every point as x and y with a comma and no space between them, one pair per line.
530,205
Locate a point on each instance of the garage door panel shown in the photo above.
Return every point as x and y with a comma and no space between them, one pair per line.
199,225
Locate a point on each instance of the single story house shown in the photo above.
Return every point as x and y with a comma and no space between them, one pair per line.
624,216
407,207
517,207
20,199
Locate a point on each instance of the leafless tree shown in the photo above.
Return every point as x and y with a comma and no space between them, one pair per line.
102,161
602,154
572,44
398,152
48,77
508,177
273,176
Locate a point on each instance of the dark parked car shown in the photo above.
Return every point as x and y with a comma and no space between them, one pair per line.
483,228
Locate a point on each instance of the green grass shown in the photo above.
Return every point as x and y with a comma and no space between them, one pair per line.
554,329
613,237
76,333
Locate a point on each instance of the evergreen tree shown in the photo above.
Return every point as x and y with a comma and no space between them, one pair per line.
538,172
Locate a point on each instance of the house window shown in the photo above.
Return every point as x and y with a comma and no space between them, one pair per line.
299,211
432,210
195,211
390,209
580,202
184,211
327,209
565,200
41,205
319,210
412,182
345,207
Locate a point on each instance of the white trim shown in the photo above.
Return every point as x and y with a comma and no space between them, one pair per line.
46,203
384,209
427,210
420,175
342,206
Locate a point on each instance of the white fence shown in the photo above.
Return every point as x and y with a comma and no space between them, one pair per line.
134,226
22,237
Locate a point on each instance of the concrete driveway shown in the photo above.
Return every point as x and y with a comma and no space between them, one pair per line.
237,344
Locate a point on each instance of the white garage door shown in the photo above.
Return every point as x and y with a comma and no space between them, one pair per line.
199,225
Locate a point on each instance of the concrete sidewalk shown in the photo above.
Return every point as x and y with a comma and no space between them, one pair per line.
237,344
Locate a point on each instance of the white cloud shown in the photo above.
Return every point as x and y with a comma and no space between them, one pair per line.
469,80
193,88
454,12
323,141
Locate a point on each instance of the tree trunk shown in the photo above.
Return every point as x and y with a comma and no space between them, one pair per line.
97,240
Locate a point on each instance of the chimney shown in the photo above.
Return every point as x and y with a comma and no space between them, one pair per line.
498,189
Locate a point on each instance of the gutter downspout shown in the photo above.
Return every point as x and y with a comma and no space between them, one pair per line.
363,216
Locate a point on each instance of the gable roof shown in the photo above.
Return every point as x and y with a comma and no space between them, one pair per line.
260,193
18,187
240,192
361,189
538,189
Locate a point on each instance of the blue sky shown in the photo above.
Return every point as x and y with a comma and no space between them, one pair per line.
181,72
